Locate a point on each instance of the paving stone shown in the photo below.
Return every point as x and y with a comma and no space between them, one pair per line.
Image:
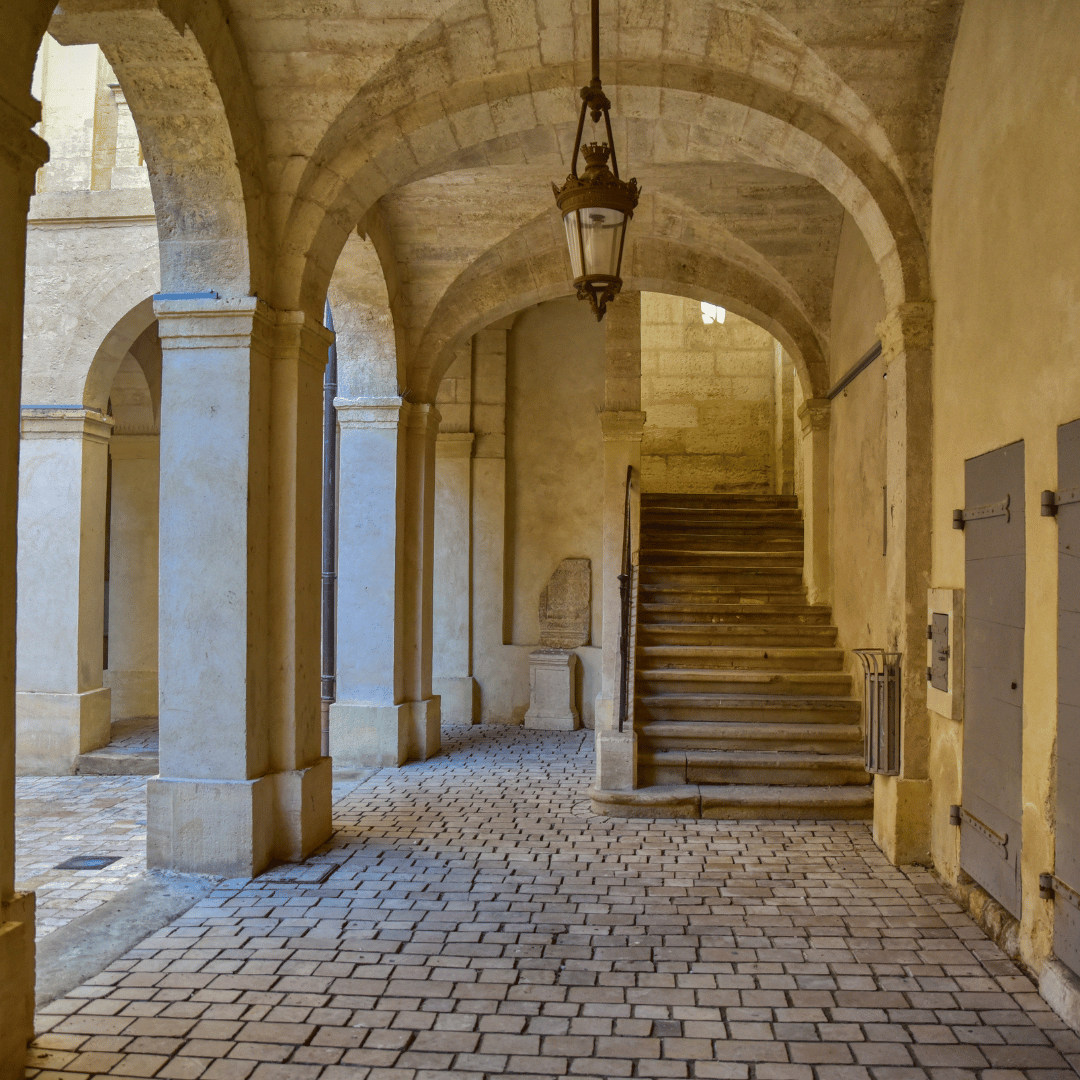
484,923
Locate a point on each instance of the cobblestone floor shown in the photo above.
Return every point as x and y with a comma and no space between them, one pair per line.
471,919
59,817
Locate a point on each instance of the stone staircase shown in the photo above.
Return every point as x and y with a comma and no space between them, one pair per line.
742,706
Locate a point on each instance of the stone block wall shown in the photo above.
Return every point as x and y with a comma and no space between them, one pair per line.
708,392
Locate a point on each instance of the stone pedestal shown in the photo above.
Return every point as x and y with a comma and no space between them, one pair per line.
553,690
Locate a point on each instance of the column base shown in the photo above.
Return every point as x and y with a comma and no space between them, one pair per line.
425,728
220,827
52,730
16,983
368,736
616,760
384,736
460,699
302,810
902,820
134,693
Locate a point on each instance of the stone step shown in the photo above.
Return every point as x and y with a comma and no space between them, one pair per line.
749,708
795,768
717,498
725,518
729,612
761,579
107,762
734,657
729,735
713,541
727,561
693,680
765,635
737,802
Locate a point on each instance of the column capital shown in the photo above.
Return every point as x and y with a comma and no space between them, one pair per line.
299,334
370,412
24,150
455,444
421,416
205,321
907,326
65,422
814,414
622,426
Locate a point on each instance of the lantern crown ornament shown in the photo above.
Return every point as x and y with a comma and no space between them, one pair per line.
596,205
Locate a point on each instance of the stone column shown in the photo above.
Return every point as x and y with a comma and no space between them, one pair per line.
814,417
452,676
902,803
132,674
21,154
385,713
241,781
490,611
62,708
622,424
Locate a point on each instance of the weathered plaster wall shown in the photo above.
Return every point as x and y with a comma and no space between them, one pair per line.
857,450
708,393
555,467
1006,272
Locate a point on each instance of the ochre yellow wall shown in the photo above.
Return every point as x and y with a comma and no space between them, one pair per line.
857,450
1005,250
708,393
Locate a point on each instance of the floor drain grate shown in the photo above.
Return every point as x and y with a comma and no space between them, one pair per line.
87,862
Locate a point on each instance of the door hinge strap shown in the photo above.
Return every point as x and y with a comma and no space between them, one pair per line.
1051,887
1051,500
991,510
958,814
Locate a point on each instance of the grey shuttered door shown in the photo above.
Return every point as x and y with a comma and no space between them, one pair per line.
1067,839
990,834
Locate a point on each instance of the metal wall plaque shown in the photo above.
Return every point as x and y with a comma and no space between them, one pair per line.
939,651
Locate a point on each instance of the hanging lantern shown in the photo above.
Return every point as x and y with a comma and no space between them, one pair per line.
596,206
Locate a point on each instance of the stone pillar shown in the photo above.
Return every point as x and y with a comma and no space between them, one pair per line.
62,708
784,422
425,718
902,803
21,155
132,674
451,660
622,424
385,713
814,417
242,781
490,611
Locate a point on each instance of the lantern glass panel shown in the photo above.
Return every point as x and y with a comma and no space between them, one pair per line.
598,230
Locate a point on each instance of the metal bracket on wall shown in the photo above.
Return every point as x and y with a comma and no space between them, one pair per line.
991,510
958,815
1051,887
1051,500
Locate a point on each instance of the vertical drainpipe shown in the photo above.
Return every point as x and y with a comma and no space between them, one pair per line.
329,538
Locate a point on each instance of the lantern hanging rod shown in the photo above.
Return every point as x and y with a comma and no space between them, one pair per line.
596,40
594,100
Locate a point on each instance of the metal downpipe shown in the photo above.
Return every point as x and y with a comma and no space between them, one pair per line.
329,538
